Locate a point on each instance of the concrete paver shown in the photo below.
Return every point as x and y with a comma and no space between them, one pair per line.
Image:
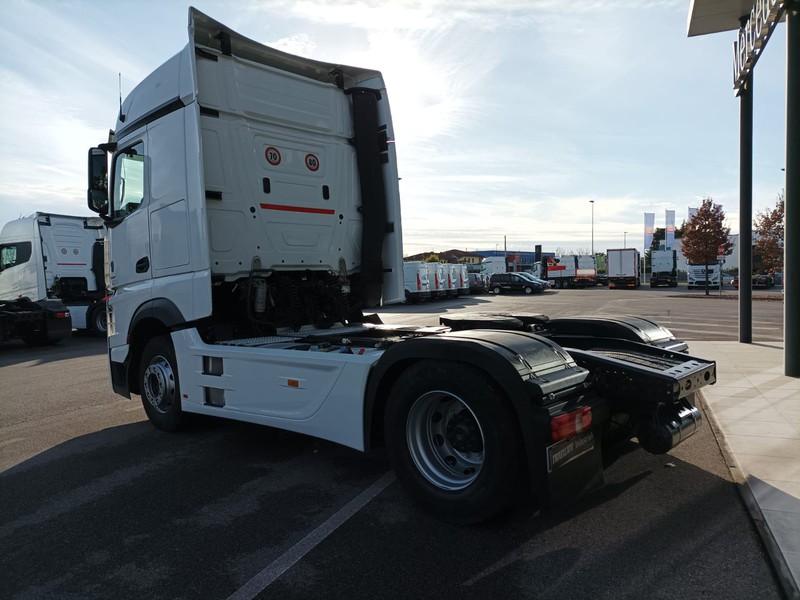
756,411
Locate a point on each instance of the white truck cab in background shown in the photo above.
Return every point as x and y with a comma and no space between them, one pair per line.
56,257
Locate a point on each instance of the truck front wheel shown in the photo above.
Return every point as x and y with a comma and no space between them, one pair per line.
159,384
453,441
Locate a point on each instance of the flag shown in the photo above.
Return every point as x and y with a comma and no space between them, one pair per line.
669,225
649,229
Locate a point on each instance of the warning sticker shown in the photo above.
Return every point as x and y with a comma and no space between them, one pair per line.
273,156
312,162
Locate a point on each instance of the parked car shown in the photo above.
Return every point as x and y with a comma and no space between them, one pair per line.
762,281
758,282
513,282
531,277
477,283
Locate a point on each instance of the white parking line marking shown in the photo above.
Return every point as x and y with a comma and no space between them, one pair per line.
282,564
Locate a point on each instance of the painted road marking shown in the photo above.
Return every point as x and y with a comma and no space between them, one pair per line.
282,564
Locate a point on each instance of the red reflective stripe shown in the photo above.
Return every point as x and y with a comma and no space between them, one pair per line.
419,282
300,209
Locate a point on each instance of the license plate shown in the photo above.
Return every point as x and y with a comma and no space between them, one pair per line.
564,451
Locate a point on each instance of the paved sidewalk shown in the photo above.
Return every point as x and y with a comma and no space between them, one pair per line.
756,409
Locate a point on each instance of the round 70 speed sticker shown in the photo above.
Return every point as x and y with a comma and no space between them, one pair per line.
312,162
273,156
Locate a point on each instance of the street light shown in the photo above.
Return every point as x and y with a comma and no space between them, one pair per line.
624,239
592,203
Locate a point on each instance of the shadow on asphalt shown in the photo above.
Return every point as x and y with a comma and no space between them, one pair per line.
130,511
78,345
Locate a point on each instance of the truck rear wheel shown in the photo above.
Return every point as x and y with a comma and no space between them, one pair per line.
97,320
453,441
159,384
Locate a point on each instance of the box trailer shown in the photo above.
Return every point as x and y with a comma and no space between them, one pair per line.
623,267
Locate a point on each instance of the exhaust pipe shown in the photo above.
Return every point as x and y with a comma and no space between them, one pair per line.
669,426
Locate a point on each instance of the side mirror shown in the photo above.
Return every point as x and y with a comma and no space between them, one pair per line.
97,197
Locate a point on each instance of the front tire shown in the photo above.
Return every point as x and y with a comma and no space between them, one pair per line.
453,441
159,384
528,290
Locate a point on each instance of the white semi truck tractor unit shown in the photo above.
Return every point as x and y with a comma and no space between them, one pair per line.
67,265
253,215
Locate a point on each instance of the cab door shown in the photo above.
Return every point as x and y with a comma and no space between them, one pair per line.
130,258
130,269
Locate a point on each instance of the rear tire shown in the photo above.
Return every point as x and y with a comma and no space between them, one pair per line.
454,442
496,290
97,320
159,384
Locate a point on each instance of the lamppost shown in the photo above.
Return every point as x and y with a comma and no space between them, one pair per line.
592,203
624,239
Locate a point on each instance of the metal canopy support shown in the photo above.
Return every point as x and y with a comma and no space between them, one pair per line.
791,238
746,211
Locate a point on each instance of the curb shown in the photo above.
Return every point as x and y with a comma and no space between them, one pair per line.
781,569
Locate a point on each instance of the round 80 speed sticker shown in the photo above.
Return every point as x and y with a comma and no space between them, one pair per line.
312,162
273,156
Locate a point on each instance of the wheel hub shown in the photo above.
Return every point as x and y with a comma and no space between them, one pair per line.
159,384
463,433
445,440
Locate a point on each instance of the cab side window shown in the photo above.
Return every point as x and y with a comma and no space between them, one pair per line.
129,184
12,255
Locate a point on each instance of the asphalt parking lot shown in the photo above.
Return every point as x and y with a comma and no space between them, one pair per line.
98,504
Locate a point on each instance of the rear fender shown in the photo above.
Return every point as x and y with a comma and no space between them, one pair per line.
529,370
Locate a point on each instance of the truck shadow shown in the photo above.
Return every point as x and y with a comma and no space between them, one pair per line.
252,492
78,345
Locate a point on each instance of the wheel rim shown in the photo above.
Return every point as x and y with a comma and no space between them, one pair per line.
528,290
159,384
445,440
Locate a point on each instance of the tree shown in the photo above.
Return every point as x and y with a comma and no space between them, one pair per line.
431,258
770,229
704,235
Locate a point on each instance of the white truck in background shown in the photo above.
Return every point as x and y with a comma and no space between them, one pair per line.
463,280
623,267
437,279
50,257
415,281
664,268
586,271
565,271
269,221
493,264
696,275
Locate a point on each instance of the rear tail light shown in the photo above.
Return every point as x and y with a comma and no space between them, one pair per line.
570,424
419,283
62,315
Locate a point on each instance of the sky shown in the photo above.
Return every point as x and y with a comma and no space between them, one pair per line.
510,116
